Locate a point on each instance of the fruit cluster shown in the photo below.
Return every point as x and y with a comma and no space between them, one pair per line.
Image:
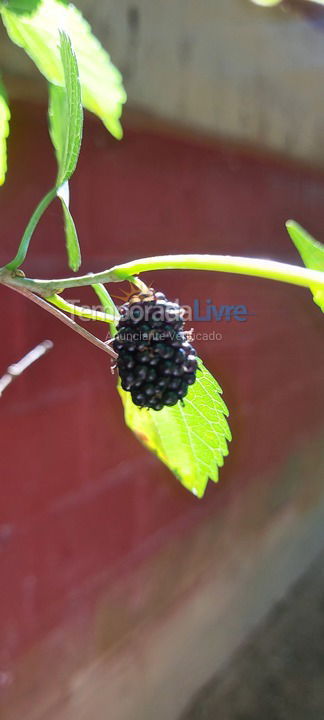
156,362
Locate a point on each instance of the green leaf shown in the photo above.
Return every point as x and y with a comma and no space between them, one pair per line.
57,111
312,255
101,83
71,237
65,125
190,440
4,132
22,7
65,114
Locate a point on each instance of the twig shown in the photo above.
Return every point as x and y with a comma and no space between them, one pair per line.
64,319
13,371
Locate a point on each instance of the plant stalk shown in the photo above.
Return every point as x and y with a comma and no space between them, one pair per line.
33,222
269,269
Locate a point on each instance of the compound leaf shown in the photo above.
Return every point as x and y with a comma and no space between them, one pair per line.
191,440
312,255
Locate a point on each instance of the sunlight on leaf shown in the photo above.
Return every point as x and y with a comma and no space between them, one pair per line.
4,132
65,126
190,440
312,255
65,114
57,111
101,83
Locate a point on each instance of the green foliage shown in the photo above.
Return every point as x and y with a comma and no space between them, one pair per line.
57,111
101,83
71,237
312,254
190,440
4,132
65,123
22,7
65,114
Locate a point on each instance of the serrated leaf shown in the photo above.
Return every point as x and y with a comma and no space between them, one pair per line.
312,255
101,83
4,132
191,440
22,7
65,125
71,237
56,111
65,114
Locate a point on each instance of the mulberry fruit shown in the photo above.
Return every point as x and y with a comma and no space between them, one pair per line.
156,361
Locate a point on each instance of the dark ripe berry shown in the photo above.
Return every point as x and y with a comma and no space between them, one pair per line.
177,370
166,368
149,389
191,363
162,383
180,356
138,398
142,346
178,339
170,398
125,361
141,373
156,404
130,345
144,332
143,356
190,378
156,362
117,345
164,350
136,313
183,389
128,381
174,383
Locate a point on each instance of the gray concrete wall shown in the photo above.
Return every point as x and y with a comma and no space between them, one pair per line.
228,67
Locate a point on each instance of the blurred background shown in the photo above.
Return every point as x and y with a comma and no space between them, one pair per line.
122,596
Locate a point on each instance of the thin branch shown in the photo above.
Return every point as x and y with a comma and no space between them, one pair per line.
64,319
13,371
